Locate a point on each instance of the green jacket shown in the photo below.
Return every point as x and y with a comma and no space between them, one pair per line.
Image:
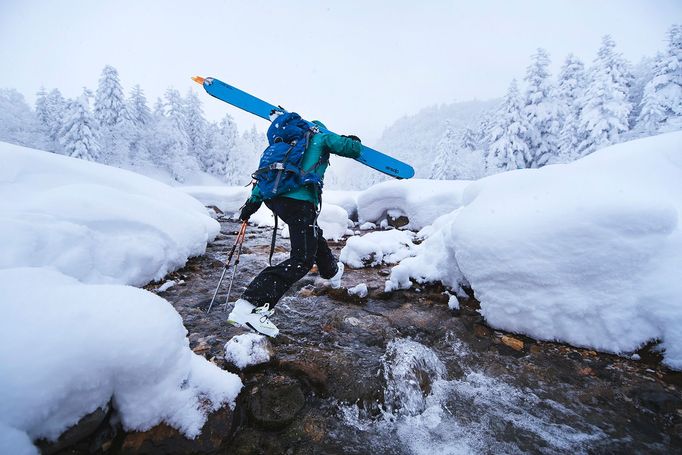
320,146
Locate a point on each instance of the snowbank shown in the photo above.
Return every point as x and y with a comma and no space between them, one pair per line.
422,201
69,348
96,223
587,253
346,199
332,219
369,250
227,198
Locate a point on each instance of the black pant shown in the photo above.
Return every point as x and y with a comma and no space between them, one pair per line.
308,247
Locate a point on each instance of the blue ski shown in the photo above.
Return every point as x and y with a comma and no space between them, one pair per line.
249,103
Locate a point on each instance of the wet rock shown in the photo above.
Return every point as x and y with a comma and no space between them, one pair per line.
481,331
85,427
397,222
274,403
163,439
656,398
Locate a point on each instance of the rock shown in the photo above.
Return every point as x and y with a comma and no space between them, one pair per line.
202,347
587,371
163,439
274,403
512,342
306,292
656,398
398,222
481,331
86,426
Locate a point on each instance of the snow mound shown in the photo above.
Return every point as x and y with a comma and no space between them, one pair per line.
422,201
587,253
75,347
227,198
96,223
348,200
248,349
375,248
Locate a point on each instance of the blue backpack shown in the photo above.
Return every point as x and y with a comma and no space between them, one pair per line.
279,170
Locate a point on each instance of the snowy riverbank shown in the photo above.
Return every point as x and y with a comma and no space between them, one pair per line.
75,338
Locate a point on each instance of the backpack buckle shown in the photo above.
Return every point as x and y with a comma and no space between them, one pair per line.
277,166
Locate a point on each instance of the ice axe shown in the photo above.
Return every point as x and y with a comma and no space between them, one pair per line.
239,241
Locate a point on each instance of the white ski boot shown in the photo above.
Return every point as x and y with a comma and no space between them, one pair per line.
335,281
247,315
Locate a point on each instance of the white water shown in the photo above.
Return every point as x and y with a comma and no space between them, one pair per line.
427,413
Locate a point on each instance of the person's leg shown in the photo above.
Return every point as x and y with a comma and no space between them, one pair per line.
272,282
325,260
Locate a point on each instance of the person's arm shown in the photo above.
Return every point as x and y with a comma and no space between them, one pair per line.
342,145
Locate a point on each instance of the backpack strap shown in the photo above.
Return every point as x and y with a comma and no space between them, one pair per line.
274,239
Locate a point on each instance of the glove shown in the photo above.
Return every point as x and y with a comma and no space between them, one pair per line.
352,137
249,208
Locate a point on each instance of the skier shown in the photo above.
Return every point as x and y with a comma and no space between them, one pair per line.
298,208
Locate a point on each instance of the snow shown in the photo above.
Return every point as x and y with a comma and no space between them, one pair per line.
96,223
453,303
375,248
422,201
348,200
587,253
228,199
75,337
246,350
334,221
360,290
166,286
75,347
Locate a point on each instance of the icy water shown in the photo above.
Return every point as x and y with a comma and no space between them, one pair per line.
404,374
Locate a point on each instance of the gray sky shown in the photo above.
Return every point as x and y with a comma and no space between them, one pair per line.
356,65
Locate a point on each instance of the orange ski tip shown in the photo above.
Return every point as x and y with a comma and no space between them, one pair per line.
199,80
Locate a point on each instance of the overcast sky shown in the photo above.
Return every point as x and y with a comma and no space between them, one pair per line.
357,65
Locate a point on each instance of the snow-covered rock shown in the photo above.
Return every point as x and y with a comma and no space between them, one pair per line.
369,250
421,201
587,253
96,223
346,199
248,349
68,348
360,290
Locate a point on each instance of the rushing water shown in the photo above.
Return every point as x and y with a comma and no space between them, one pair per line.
425,412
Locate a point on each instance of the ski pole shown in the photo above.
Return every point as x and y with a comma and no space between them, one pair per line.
234,271
242,230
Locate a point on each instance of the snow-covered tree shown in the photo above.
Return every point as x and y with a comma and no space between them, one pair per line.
18,124
570,90
110,106
223,148
196,128
509,149
605,112
662,98
445,162
79,133
642,74
52,112
141,122
541,112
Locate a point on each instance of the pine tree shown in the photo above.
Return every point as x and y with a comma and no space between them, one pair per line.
444,164
110,108
79,133
662,98
570,90
18,123
605,112
55,108
141,122
196,128
540,111
509,149
224,148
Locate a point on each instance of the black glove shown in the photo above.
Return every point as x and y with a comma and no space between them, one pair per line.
249,208
352,137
